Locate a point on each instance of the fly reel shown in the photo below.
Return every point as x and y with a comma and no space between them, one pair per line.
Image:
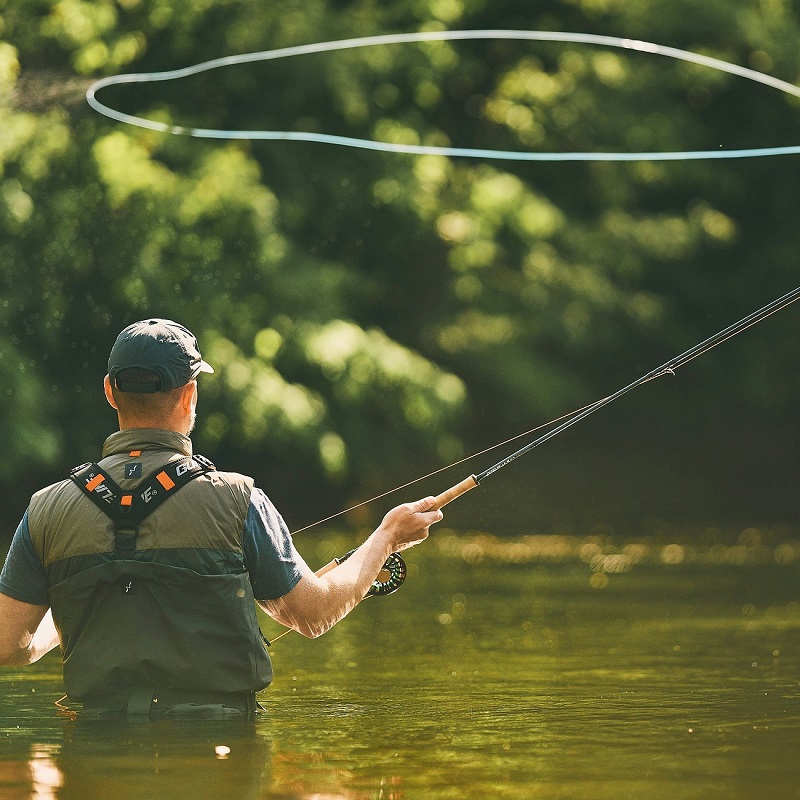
390,578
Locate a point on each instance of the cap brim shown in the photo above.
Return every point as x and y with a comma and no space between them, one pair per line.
205,367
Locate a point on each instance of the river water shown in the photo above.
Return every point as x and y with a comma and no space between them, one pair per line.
544,667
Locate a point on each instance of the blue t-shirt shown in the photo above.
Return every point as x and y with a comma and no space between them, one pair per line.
273,563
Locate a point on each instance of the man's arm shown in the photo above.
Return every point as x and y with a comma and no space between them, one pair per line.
318,602
27,631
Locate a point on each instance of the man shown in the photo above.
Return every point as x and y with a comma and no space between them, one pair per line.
144,567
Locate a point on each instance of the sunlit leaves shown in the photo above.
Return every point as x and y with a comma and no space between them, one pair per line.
358,372
88,29
360,306
366,366
126,168
263,399
227,178
9,66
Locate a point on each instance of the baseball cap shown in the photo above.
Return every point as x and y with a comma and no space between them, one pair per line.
160,346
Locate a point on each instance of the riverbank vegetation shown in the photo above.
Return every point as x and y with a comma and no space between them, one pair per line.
371,316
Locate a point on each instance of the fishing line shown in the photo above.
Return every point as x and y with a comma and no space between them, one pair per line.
395,565
440,470
572,417
668,368
466,152
727,334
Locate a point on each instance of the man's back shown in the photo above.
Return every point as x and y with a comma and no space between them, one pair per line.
157,612
179,612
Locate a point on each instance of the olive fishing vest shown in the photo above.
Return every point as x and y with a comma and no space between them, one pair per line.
162,604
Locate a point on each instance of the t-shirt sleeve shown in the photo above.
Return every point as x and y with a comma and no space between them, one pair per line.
23,576
274,564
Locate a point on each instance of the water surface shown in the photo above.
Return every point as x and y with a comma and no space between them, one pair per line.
548,667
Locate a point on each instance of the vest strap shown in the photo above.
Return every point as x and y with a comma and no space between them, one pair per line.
127,509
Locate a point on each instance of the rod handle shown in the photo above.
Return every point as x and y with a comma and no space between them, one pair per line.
335,563
455,491
440,500
327,568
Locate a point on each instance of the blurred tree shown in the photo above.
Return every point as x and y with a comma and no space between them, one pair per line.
374,315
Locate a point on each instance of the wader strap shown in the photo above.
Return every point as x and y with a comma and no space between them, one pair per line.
127,509
139,703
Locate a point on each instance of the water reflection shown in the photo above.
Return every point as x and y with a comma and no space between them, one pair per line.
46,777
501,669
37,777
603,551
123,761
140,761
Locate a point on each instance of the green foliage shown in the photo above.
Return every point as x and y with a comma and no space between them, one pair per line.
372,315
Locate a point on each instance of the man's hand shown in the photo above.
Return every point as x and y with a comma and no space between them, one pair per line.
408,524
318,601
27,631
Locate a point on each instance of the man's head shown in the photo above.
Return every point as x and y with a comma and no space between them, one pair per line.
151,375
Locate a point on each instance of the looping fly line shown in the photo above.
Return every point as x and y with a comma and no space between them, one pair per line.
430,36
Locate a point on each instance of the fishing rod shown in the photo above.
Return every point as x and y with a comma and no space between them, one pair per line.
394,567
668,368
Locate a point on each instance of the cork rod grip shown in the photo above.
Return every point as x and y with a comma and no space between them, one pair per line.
327,568
440,500
455,491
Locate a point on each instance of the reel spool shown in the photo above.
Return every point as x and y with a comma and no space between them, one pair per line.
394,568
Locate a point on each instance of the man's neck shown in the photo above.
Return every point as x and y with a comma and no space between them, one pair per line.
176,426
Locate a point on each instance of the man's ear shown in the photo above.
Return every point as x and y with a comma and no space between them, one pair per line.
189,397
109,395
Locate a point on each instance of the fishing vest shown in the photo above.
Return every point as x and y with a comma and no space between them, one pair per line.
161,599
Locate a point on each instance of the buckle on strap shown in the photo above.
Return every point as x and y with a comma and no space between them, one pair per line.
125,541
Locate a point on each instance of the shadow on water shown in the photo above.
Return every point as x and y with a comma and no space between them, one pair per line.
548,667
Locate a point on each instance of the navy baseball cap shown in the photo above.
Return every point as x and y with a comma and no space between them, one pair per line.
159,346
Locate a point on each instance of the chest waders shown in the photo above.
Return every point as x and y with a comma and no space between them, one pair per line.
139,634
